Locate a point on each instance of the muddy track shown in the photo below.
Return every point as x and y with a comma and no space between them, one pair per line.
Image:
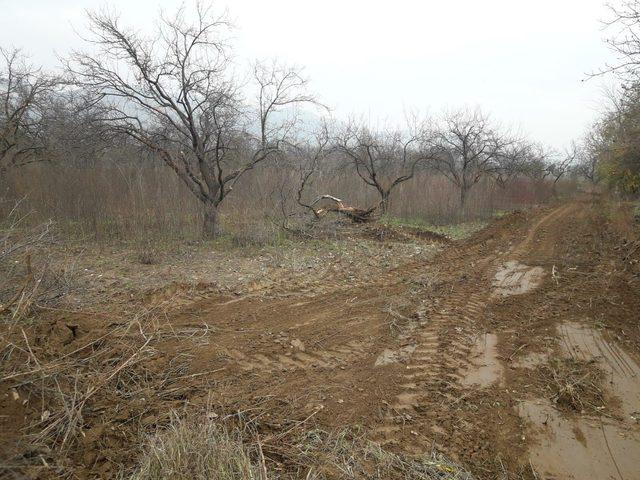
448,335
463,351
424,364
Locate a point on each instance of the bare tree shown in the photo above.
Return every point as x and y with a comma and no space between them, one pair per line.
589,155
545,165
384,159
175,95
24,93
469,147
562,164
536,164
511,163
316,150
626,42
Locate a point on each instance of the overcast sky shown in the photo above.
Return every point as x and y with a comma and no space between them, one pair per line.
522,61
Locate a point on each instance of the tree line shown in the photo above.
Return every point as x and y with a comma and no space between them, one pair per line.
177,97
610,150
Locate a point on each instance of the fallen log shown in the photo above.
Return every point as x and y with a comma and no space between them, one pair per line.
357,215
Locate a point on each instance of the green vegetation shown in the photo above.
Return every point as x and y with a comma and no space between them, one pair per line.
612,149
617,150
455,231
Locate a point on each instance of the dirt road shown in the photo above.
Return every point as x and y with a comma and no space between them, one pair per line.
470,353
515,353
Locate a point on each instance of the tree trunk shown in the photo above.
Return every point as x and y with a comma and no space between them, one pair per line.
463,201
211,228
384,203
463,197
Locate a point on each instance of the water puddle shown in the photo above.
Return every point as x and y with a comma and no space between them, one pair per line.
485,367
515,278
623,373
581,446
395,356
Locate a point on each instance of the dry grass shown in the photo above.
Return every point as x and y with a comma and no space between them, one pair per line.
132,200
25,276
190,450
349,455
575,385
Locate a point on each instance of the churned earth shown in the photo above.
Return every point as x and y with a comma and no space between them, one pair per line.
515,353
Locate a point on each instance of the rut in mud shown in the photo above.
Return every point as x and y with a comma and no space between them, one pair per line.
426,367
448,387
514,353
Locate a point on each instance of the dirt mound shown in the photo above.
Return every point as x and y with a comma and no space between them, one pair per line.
501,228
401,233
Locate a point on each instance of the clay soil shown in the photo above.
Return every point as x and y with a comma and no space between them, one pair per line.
514,352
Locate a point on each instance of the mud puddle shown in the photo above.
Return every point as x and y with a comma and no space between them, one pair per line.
623,373
389,356
515,278
532,360
581,446
485,367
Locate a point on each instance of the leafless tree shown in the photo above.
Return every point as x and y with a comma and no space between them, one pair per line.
175,94
511,163
316,150
537,162
385,158
469,147
24,94
544,164
625,43
562,164
589,154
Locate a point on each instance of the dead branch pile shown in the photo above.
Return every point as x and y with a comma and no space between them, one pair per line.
61,374
54,393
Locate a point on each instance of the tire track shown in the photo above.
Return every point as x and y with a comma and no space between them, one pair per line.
336,357
445,342
442,344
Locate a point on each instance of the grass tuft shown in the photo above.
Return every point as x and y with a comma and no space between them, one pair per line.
575,385
349,455
636,210
188,450
191,450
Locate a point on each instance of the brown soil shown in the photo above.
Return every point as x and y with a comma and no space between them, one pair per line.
455,347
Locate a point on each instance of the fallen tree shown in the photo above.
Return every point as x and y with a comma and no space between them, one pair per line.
357,215
315,154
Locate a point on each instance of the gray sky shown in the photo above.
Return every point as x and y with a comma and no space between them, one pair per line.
521,61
